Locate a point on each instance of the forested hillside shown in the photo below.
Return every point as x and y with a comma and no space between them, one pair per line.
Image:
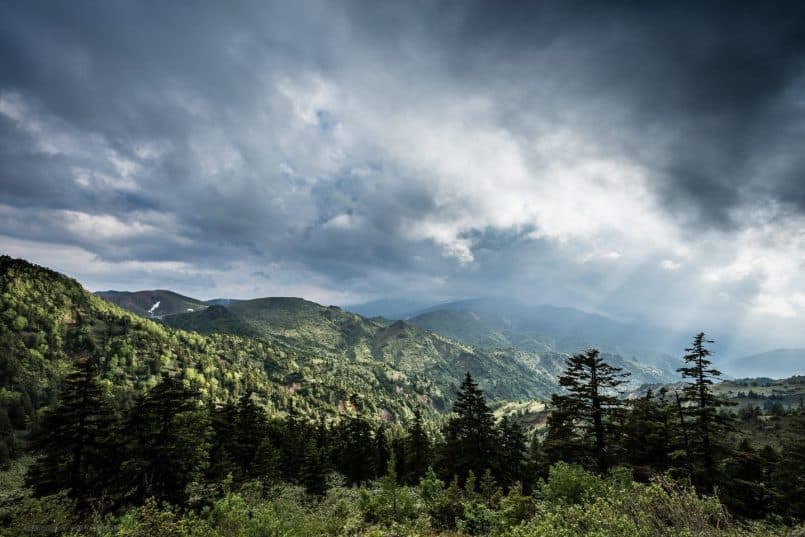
508,371
48,321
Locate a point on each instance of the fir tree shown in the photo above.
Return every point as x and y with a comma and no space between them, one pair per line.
510,452
470,434
382,453
647,441
790,470
702,405
586,411
75,439
168,442
314,470
250,429
417,450
356,450
223,420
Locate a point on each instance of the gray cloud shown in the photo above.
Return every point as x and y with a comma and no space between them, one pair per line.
613,157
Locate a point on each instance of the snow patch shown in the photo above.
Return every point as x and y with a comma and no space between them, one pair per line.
154,307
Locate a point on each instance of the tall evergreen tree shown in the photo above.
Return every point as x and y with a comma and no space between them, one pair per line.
511,453
356,450
382,453
314,470
647,438
702,406
470,435
417,450
75,439
223,420
585,413
168,437
790,470
250,430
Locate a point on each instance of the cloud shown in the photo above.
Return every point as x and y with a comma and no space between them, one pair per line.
639,160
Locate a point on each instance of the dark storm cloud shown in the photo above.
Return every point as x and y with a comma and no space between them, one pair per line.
709,80
409,147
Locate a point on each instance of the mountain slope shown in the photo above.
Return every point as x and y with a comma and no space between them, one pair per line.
778,363
157,303
541,328
389,308
427,359
505,367
48,321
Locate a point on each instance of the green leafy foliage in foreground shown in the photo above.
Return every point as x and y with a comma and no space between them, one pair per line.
570,502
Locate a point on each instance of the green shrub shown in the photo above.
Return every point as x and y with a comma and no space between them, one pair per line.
570,484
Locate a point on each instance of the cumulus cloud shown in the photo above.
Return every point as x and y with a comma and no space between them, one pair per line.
638,160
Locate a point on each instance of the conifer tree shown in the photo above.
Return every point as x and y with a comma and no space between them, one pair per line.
744,490
647,441
417,450
266,464
168,437
470,434
702,406
75,439
382,453
355,453
511,453
790,471
314,470
250,429
223,421
536,465
585,413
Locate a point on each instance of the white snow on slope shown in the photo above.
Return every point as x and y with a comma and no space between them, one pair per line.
154,307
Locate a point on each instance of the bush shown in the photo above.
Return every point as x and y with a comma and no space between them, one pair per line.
570,484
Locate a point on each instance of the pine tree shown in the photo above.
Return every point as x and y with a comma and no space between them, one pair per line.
314,470
417,450
223,420
510,452
537,464
745,490
250,430
75,440
647,441
790,470
470,434
702,406
266,464
585,413
168,437
356,450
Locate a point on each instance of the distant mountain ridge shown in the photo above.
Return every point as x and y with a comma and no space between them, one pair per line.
504,322
153,303
507,370
776,363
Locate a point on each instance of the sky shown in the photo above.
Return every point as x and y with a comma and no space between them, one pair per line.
642,161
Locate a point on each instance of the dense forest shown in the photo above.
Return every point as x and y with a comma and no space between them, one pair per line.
112,424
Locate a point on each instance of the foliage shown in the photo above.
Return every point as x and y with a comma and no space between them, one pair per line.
581,422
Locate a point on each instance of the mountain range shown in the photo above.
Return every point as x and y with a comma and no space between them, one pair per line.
776,363
156,303
510,368
502,322
294,355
